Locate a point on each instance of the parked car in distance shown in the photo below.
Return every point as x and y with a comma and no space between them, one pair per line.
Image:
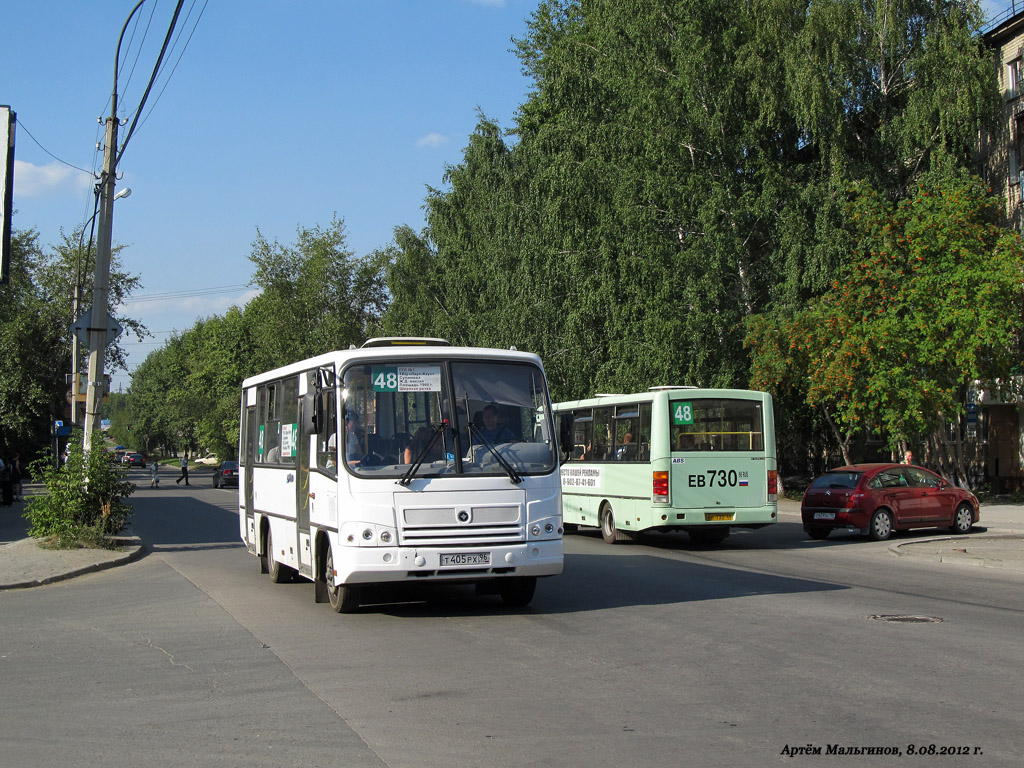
135,460
226,474
208,461
877,499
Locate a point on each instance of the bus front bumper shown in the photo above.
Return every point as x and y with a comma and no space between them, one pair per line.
367,565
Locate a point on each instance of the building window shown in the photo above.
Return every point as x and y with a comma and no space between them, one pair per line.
1014,74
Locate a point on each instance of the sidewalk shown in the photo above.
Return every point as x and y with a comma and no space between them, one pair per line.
23,563
997,540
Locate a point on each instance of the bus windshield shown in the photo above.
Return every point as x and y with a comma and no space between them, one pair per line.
439,417
717,425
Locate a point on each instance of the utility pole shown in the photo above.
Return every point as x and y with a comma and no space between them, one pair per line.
101,282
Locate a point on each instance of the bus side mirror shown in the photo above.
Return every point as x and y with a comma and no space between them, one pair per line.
318,414
565,425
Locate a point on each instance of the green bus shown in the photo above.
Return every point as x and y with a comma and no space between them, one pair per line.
670,459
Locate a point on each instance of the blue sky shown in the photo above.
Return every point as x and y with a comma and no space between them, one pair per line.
279,113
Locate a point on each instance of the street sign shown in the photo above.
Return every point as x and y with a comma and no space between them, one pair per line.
81,327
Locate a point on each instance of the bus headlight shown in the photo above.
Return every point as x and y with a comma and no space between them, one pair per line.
367,534
545,528
385,536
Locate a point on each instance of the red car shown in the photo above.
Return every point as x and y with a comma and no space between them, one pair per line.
877,499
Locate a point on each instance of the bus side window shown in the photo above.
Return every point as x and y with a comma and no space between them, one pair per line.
583,432
643,451
601,443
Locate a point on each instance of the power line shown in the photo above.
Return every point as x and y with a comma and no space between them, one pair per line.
187,293
178,60
69,165
152,79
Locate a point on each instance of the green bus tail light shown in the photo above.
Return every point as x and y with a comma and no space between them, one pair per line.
773,485
661,487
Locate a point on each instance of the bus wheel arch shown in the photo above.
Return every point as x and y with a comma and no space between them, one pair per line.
344,598
262,546
279,572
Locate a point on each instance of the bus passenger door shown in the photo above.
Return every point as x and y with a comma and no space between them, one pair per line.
251,537
302,488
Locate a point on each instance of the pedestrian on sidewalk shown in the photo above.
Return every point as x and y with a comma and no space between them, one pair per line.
184,470
154,474
16,477
6,485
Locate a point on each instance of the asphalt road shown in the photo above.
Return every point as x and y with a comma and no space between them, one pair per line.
658,654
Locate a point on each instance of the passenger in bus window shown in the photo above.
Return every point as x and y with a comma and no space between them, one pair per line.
352,449
419,441
491,429
626,451
274,454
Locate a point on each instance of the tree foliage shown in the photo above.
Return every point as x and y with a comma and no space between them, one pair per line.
679,167
931,304
36,314
84,499
677,182
315,296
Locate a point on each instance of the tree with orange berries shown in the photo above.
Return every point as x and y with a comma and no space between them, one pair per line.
930,306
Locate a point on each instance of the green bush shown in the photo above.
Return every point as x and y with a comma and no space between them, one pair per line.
84,498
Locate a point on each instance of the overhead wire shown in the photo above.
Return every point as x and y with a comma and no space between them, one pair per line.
65,162
138,52
177,61
213,290
149,86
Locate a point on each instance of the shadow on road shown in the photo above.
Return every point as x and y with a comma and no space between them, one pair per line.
169,520
594,582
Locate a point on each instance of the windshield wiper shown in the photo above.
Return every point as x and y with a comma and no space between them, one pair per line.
438,431
514,476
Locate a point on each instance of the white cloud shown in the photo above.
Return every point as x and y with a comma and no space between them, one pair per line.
431,140
54,178
185,310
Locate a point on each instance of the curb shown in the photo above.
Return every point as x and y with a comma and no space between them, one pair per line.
951,553
131,555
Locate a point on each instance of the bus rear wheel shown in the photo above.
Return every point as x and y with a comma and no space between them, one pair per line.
343,598
279,574
609,532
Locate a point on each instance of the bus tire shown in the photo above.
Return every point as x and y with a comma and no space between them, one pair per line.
279,574
343,598
609,532
517,591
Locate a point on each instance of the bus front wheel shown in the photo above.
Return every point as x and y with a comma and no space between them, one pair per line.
517,591
344,598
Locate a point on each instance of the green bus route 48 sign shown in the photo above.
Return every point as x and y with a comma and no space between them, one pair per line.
682,413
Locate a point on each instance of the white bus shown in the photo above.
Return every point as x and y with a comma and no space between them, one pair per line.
447,470
697,460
